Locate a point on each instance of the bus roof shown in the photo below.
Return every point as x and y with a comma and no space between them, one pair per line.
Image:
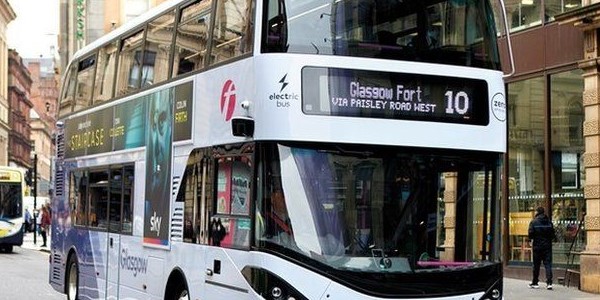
170,4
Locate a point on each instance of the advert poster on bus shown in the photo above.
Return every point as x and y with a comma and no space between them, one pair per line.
159,145
124,126
402,96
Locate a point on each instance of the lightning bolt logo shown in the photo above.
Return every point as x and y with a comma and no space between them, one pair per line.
283,82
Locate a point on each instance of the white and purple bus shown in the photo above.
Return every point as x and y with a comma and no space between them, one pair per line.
283,149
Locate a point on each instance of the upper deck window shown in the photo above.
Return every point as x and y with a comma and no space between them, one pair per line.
158,45
130,64
105,74
68,90
85,82
192,37
232,33
438,31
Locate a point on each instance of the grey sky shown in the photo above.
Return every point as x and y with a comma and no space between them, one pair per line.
35,30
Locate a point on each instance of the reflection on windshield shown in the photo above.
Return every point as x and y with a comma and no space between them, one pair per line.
10,200
380,210
459,32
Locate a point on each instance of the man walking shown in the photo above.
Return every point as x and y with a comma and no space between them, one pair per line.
541,234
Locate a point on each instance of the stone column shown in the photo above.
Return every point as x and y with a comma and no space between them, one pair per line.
449,245
587,18
590,257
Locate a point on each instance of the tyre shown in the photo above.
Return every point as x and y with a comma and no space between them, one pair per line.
72,279
8,249
179,292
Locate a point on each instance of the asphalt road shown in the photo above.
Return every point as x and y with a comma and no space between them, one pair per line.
24,275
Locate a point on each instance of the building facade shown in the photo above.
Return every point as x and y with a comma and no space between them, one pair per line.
553,136
44,96
84,21
6,16
19,85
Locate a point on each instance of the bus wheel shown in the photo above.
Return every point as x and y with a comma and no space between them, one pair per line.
72,288
179,292
8,248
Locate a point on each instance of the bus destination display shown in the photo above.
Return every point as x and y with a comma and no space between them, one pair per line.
368,94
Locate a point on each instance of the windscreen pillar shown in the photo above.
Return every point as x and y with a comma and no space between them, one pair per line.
587,18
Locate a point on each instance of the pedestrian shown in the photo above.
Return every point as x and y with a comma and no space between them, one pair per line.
28,224
45,224
541,234
38,222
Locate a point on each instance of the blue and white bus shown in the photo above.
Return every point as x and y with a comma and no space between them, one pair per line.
12,190
283,149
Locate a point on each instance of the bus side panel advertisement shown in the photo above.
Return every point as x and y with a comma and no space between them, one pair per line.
124,125
129,125
182,129
159,147
402,96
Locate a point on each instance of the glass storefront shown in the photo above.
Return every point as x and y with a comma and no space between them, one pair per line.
529,108
525,161
566,161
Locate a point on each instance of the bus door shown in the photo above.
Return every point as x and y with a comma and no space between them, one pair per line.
223,279
119,223
96,255
229,229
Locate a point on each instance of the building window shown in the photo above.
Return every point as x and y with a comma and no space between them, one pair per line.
523,14
525,161
555,7
567,172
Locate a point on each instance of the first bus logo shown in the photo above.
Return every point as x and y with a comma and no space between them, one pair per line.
228,99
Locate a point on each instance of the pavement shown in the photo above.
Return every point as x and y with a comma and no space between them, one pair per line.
28,242
517,289
514,289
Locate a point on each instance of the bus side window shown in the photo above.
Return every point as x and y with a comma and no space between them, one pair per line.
128,188
158,47
130,64
98,195
115,199
232,31
68,91
78,197
230,225
105,73
192,37
196,191
85,82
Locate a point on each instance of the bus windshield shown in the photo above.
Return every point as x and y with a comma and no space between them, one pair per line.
10,200
380,209
456,32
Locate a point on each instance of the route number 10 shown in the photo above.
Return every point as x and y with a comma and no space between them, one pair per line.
457,104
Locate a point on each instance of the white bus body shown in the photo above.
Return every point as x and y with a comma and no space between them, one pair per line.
317,128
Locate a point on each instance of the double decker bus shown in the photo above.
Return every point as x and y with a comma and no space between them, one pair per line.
282,149
12,190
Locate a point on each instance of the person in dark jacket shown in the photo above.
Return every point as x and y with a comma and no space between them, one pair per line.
541,234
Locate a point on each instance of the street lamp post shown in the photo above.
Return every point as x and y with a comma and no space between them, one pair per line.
34,190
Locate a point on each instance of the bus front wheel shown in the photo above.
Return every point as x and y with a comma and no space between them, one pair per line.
72,288
177,290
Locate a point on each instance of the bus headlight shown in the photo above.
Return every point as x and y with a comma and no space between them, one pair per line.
494,292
